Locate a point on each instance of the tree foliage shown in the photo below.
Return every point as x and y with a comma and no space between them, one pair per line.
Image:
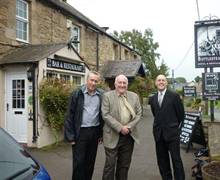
54,95
144,44
197,79
180,80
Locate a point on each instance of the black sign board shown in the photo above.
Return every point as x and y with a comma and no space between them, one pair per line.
59,64
207,43
211,86
189,91
191,130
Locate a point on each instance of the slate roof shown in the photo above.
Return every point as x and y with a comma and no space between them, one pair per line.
128,68
31,53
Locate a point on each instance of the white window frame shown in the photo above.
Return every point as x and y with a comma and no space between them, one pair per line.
51,74
75,45
76,77
23,20
65,77
59,75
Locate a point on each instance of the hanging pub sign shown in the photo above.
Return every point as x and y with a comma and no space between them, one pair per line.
189,91
191,130
207,43
59,64
211,86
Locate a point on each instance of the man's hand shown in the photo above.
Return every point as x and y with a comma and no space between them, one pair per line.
125,130
100,140
73,143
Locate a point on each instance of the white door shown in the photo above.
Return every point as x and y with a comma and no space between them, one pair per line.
16,106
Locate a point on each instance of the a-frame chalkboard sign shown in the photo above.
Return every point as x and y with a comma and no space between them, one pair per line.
192,130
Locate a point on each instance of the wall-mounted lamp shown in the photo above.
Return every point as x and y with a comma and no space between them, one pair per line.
30,73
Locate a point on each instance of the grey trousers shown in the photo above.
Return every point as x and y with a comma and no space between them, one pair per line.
118,158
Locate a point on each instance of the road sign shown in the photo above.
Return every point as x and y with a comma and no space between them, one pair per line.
211,86
189,91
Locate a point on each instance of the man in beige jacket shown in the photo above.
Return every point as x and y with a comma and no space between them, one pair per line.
121,111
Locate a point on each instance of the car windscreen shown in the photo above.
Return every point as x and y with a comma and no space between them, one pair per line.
15,162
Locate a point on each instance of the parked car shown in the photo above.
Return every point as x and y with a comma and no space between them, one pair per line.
17,163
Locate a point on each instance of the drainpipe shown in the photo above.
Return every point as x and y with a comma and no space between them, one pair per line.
97,51
34,106
120,52
31,78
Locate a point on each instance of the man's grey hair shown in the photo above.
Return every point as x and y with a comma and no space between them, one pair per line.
119,76
92,72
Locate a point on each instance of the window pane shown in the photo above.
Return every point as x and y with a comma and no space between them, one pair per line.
14,84
76,80
18,93
22,105
51,74
21,9
65,77
22,93
18,103
21,30
14,103
18,84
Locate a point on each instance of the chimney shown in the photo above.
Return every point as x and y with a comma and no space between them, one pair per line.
105,28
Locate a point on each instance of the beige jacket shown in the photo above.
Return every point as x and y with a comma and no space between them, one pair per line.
111,116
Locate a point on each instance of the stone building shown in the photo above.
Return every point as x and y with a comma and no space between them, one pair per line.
40,39
55,21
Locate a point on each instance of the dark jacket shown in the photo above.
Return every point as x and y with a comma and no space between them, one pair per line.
74,115
168,117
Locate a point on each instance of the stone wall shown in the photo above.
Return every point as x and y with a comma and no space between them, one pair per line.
48,24
7,25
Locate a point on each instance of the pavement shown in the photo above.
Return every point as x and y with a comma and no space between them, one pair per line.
58,159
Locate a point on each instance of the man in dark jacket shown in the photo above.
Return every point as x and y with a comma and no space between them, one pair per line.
168,112
83,127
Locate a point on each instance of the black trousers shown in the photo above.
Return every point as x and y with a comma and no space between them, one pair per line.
163,150
118,158
84,153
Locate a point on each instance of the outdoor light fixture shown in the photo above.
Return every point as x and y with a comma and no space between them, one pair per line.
30,72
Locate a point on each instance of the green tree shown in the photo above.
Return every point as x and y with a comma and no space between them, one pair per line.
180,80
198,79
146,47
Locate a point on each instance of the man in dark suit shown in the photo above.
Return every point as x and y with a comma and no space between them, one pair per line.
168,112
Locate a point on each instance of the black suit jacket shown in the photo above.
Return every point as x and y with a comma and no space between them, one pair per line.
168,117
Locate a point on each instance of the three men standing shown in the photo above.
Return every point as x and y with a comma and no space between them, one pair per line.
121,111
168,112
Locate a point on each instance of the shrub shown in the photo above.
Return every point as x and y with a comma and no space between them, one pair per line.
54,95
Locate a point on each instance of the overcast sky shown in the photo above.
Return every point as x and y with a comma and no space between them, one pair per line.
172,23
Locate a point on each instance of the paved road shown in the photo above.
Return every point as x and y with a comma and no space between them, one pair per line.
58,160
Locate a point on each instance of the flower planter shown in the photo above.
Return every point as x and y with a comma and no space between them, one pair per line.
211,171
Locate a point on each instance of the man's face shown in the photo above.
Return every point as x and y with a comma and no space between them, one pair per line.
161,82
121,84
92,81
